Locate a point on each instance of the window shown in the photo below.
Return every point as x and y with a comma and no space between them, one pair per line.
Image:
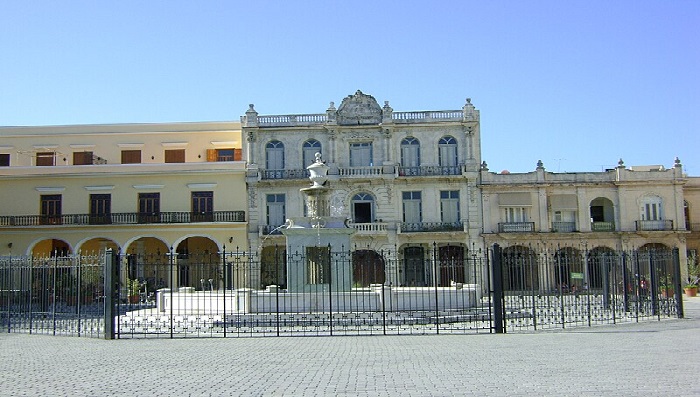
45,158
310,148
275,210
50,209
100,209
274,155
447,151
515,214
224,154
362,208
449,206
651,209
4,160
82,158
412,208
361,154
175,156
202,206
131,156
149,207
410,152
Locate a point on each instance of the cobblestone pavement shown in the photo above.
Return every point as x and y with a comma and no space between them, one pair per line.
651,359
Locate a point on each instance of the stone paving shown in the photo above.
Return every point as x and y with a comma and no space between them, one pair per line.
651,358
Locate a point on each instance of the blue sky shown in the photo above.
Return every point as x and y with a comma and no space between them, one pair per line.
577,84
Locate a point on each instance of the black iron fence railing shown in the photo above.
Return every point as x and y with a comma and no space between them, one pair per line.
420,290
123,218
432,170
603,226
654,225
563,227
516,227
431,227
285,174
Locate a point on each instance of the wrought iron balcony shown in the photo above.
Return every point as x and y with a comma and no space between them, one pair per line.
654,225
603,226
431,227
431,170
123,218
285,174
563,227
516,227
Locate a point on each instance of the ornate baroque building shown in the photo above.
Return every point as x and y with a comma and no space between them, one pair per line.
407,181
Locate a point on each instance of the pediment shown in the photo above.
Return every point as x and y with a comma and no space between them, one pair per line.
359,109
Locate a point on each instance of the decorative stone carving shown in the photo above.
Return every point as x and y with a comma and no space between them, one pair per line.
359,109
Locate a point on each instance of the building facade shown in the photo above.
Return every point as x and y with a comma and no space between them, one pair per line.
411,184
406,181
145,190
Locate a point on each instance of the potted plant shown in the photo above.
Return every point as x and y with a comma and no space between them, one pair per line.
691,289
132,290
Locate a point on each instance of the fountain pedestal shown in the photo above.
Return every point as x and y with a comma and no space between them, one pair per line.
318,245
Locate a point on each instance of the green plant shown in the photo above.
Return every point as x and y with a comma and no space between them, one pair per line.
693,271
133,287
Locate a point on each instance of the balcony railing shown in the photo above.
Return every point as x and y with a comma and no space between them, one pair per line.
124,218
369,228
430,170
563,227
431,227
603,226
285,174
360,171
516,227
654,225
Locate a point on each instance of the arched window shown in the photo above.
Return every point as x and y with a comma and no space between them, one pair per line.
410,152
274,155
309,149
447,151
362,208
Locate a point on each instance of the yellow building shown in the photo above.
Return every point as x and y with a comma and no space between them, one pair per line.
143,189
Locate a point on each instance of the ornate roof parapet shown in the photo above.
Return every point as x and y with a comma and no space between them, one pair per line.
251,117
331,113
387,113
359,109
469,112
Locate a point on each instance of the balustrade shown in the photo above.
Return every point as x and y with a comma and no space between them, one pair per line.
643,225
123,218
516,227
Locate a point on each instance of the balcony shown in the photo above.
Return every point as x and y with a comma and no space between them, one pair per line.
124,218
654,225
602,226
516,227
430,227
370,228
285,174
563,227
431,170
360,172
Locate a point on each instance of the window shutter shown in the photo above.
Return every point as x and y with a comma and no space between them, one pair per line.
237,154
211,155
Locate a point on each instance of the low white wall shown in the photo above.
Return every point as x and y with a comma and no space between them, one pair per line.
377,298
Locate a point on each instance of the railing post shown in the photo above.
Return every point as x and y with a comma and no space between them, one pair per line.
677,282
111,280
497,276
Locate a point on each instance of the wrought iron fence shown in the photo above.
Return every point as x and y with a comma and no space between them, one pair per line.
566,287
53,295
416,290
